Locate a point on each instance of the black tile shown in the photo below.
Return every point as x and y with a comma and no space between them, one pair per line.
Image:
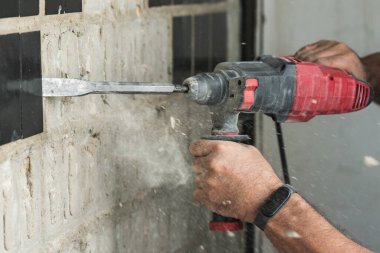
181,48
195,1
31,92
73,6
200,1
202,48
9,8
10,75
183,1
29,7
53,7
219,38
155,3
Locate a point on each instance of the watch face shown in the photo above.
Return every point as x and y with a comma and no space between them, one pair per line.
276,201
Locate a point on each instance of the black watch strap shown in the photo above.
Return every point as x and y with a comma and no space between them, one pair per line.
273,205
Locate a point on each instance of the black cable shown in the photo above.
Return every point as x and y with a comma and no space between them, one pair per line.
248,128
248,39
249,238
281,146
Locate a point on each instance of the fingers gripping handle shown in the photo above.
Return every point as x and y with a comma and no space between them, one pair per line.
218,222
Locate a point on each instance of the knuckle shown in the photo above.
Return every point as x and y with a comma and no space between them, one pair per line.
211,182
342,47
219,147
211,195
329,62
321,42
193,145
255,151
214,165
308,58
253,148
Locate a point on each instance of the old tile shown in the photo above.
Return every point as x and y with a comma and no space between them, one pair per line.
31,93
73,6
10,102
202,52
29,7
181,48
219,38
53,7
9,8
183,1
155,3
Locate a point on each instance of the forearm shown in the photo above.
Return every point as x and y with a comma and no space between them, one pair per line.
372,65
299,228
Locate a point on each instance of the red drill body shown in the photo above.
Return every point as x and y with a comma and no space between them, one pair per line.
323,90
287,89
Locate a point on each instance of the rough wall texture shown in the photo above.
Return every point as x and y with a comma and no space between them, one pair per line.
110,173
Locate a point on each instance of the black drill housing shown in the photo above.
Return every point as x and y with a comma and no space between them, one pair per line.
223,90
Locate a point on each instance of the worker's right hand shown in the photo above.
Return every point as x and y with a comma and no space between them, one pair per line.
232,180
333,54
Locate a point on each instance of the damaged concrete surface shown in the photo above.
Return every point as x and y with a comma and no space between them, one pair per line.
110,173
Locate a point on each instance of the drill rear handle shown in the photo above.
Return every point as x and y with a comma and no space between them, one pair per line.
218,222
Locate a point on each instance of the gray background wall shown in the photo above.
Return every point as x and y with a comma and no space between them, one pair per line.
332,159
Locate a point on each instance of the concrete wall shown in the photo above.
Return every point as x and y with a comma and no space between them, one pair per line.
333,160
110,173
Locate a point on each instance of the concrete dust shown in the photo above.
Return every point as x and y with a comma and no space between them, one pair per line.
370,161
292,234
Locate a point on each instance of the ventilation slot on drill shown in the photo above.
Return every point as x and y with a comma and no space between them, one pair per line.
361,97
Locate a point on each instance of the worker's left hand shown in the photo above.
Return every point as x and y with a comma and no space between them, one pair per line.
232,179
333,54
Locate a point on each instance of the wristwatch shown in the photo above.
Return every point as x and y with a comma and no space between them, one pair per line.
273,205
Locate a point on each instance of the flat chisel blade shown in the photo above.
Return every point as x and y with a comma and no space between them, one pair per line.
63,87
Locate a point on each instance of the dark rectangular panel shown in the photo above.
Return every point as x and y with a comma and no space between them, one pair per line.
219,38
53,7
202,48
200,1
31,92
181,48
183,1
29,7
10,102
155,3
9,8
195,1
73,6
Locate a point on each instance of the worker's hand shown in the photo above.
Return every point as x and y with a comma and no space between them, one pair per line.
232,179
333,54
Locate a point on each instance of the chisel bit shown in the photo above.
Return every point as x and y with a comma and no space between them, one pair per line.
63,87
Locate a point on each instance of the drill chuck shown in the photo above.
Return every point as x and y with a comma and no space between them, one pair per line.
206,88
